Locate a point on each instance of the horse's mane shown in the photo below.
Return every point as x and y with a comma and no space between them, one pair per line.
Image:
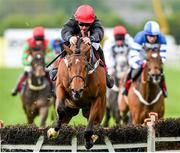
81,48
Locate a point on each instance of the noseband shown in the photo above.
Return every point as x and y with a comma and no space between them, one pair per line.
77,76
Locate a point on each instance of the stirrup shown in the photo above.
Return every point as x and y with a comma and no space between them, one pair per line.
14,92
110,81
125,92
165,94
53,74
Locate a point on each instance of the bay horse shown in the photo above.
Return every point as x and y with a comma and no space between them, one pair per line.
80,87
112,108
145,94
35,95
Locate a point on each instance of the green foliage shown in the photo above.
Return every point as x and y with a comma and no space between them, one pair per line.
11,111
53,15
174,24
25,21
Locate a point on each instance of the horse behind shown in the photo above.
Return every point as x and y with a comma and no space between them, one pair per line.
145,94
36,92
112,109
80,87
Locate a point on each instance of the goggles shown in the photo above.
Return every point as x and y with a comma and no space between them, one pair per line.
39,38
84,24
119,37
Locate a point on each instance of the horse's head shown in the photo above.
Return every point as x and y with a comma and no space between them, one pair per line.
154,65
77,63
38,65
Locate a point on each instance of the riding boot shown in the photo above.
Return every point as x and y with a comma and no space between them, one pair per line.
127,83
52,87
132,76
53,71
135,73
163,86
19,84
53,74
109,79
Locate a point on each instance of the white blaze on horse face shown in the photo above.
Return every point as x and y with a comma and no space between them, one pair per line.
66,62
154,55
77,61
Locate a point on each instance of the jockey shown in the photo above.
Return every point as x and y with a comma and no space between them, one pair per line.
150,37
116,51
84,20
56,44
35,43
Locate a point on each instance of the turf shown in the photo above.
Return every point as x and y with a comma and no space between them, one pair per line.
11,111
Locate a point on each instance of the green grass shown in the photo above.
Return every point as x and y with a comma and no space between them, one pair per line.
11,111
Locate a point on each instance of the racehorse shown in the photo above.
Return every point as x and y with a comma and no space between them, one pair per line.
80,85
36,92
145,94
121,68
112,108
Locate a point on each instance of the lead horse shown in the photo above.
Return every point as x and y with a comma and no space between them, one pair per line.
145,94
80,85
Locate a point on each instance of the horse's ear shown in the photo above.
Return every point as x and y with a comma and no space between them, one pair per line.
67,49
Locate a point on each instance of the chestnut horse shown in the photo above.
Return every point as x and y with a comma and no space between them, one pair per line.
36,92
145,94
80,85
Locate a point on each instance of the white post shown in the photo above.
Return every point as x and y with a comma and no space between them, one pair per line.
151,137
74,144
151,142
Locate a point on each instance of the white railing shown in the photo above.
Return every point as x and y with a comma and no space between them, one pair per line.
150,145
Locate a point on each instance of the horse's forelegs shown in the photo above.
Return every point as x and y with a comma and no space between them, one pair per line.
107,117
88,135
136,118
61,111
43,112
54,131
95,117
30,119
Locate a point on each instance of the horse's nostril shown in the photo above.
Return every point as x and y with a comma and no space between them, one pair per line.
81,90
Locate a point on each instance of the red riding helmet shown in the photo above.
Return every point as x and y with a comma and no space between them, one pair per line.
85,14
119,30
38,31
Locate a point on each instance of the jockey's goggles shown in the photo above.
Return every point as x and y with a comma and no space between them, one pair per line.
119,37
36,49
39,38
151,35
84,24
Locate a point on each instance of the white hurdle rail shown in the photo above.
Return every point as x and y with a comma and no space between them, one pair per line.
150,144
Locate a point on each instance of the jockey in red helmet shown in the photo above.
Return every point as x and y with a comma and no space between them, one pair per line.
84,20
85,14
116,51
36,43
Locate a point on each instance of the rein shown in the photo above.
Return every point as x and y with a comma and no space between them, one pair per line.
77,76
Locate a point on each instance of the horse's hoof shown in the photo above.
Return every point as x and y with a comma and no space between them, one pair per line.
89,144
52,134
94,138
1,124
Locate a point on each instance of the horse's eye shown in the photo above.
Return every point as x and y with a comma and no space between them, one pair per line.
69,65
